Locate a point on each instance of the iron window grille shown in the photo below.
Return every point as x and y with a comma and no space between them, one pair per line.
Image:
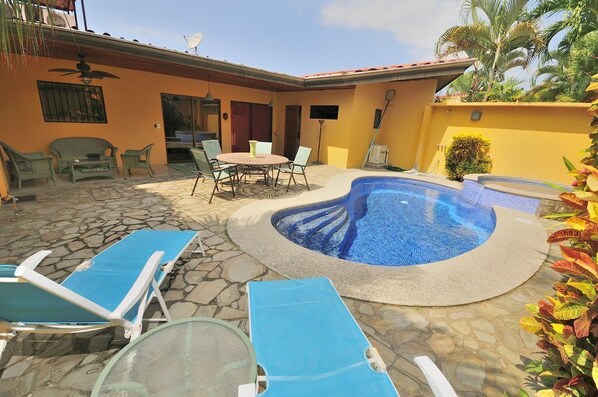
72,103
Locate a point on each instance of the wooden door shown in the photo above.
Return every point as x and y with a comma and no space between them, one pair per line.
261,122
240,126
292,130
249,121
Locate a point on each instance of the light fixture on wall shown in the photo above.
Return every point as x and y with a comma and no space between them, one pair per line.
476,116
209,96
271,103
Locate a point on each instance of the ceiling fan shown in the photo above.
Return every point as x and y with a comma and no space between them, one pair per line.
86,74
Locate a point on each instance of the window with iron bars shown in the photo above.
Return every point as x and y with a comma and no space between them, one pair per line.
72,103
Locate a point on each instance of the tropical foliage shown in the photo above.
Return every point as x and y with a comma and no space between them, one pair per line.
468,154
564,77
20,31
577,18
567,322
496,34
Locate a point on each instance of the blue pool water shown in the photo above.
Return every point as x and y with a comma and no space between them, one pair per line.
389,221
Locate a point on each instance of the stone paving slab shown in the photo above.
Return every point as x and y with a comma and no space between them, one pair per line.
479,346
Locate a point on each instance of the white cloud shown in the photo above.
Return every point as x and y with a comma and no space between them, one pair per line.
417,24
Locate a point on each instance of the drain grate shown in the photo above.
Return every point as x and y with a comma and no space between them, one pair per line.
26,197
105,194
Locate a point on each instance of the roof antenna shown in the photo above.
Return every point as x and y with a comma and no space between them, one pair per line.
193,41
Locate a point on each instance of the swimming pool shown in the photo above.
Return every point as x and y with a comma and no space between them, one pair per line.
391,222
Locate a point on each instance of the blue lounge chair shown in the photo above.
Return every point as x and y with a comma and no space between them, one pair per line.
309,344
112,289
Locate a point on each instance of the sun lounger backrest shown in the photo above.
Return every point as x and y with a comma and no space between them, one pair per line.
24,302
309,344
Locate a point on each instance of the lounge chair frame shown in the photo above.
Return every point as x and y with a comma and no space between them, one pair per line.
141,292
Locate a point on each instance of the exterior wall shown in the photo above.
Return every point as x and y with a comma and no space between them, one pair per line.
336,134
345,141
402,122
132,103
527,139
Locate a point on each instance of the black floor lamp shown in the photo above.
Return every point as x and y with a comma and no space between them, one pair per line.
319,141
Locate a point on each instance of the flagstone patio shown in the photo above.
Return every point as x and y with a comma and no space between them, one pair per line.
480,347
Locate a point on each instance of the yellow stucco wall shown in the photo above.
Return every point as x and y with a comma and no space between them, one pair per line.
336,142
345,141
402,122
132,103
527,139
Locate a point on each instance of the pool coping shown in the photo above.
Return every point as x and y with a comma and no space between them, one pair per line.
512,254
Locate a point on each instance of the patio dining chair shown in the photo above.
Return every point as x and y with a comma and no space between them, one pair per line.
29,166
206,170
137,159
260,148
296,167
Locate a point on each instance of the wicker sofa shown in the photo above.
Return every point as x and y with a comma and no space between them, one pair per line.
82,148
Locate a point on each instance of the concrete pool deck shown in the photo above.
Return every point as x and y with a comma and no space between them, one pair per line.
513,253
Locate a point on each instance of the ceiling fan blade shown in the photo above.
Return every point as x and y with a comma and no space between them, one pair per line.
63,70
69,73
98,74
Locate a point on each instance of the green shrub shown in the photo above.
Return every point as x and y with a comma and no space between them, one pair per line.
468,154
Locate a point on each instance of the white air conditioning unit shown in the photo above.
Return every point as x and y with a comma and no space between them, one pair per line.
45,15
59,18
378,154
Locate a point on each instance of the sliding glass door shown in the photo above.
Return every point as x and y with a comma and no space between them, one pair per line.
188,121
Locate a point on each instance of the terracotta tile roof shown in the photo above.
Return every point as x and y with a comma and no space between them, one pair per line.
388,67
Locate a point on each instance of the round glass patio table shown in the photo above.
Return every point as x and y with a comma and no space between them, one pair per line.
191,357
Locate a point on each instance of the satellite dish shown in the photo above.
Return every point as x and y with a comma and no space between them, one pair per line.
193,41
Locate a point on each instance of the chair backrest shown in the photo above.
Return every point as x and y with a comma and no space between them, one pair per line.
212,148
146,151
302,156
21,301
263,148
202,163
79,147
18,161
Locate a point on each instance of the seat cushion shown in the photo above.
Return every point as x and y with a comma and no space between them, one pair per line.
7,270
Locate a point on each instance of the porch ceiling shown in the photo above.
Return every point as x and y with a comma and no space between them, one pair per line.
118,52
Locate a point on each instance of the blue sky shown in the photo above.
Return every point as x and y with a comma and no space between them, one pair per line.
296,37
289,36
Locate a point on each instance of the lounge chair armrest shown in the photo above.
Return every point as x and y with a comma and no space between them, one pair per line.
32,261
140,286
113,150
247,390
438,383
26,272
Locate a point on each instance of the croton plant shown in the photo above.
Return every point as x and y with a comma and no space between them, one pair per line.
567,322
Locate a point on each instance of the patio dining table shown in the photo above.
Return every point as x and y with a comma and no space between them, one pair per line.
260,160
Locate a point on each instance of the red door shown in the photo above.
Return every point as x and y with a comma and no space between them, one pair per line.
249,121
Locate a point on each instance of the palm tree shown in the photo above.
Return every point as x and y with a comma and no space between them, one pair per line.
566,76
495,34
579,17
20,31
